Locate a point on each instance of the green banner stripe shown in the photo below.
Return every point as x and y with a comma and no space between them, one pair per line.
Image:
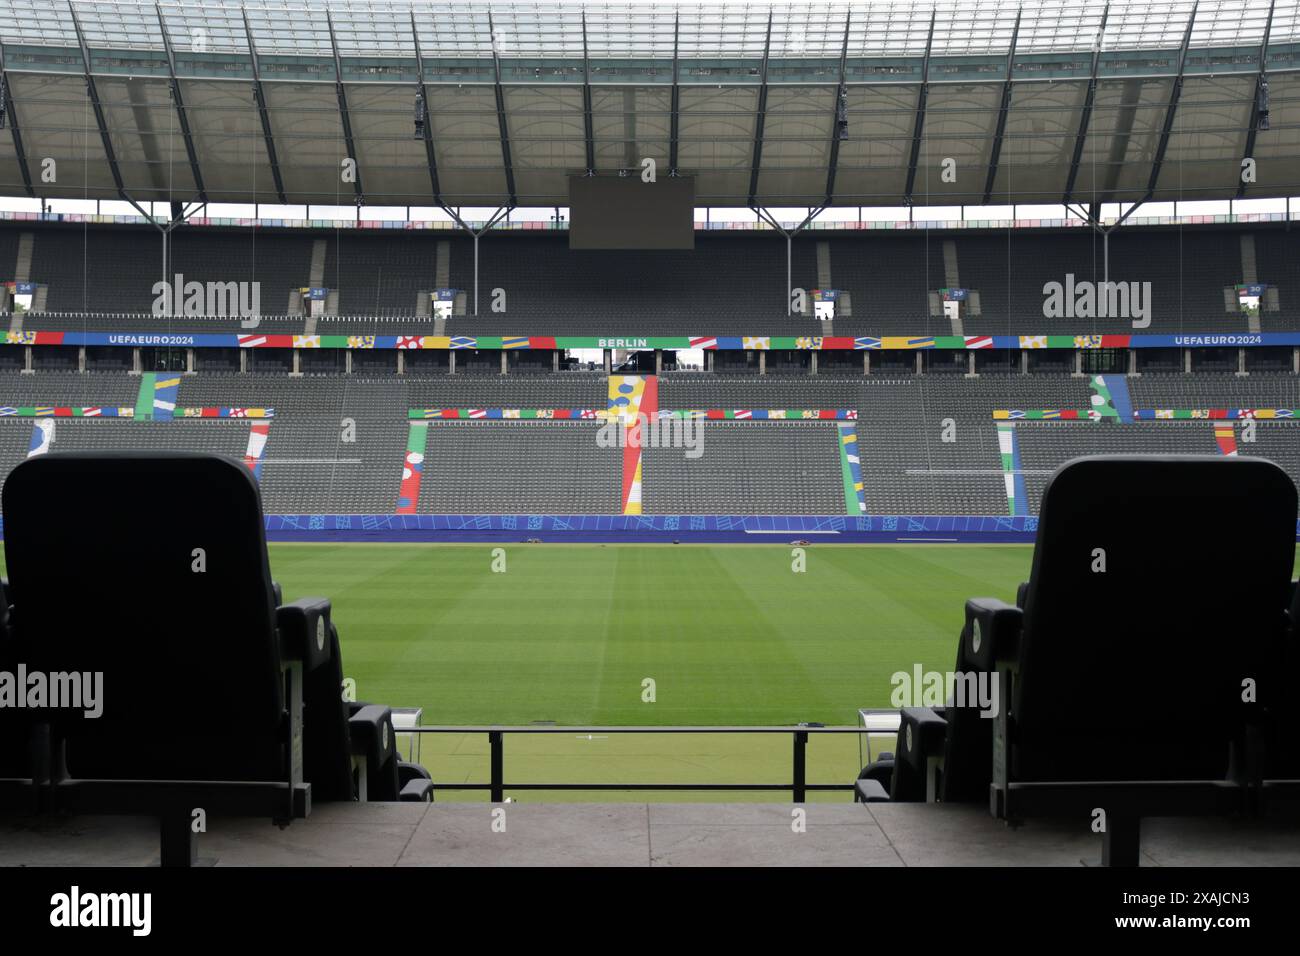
850,493
144,400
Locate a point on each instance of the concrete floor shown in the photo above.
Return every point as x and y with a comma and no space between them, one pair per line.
669,834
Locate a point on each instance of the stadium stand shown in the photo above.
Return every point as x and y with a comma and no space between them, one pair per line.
927,444
769,466
519,468
102,278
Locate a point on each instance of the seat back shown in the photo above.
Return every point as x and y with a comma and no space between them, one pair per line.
15,722
968,744
1281,699
327,743
1157,586
151,570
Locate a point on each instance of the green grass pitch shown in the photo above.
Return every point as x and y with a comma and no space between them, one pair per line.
730,634
568,633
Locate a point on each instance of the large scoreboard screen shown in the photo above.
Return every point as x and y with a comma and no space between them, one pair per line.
616,212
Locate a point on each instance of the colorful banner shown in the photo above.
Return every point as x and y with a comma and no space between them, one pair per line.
63,411
1230,414
494,414
408,495
42,437
666,342
209,411
164,397
1111,397
1042,414
574,414
1225,438
1012,477
763,414
630,397
855,501
144,398
257,436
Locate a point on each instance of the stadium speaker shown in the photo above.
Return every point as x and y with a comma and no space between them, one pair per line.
419,114
842,114
1262,104
4,101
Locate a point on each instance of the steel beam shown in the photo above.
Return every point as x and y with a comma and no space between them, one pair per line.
1171,111
833,163
343,112
1085,117
1260,78
918,124
11,120
179,100
434,182
93,93
995,154
588,126
675,108
501,117
259,96
761,118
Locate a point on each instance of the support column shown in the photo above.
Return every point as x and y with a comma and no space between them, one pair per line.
920,365
708,361
243,359
503,362
137,361
762,363
27,360
295,370
812,367
451,363
347,361
1187,361
1078,365
401,362
866,362
189,361
1241,362
1295,360
970,365
555,360
1132,362
81,358
1024,361
659,361
609,367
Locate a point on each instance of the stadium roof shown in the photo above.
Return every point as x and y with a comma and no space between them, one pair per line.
1072,100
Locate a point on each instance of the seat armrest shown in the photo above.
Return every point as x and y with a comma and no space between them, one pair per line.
881,771
871,791
406,772
417,791
304,629
992,632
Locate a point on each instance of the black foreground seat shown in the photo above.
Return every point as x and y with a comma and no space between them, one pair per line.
351,748
22,740
146,575
1129,680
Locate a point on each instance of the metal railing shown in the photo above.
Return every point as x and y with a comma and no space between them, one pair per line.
497,784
